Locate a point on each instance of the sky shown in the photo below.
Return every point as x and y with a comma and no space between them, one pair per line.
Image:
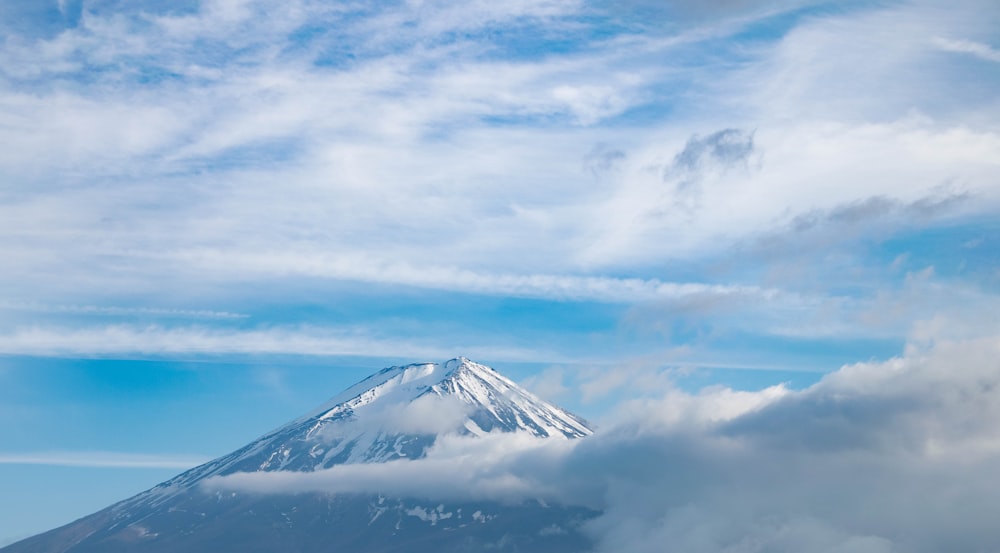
215,215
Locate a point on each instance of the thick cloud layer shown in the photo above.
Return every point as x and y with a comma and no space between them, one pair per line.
895,456
877,457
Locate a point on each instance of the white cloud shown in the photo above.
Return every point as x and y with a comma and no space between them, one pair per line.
111,310
102,459
366,268
978,49
881,456
457,468
149,155
806,166
549,384
843,464
425,159
410,133
428,414
297,340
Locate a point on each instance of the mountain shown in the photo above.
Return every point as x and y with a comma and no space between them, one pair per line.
393,415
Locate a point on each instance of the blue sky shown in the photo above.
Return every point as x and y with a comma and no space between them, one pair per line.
214,215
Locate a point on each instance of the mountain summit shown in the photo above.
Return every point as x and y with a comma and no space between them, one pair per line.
496,403
395,414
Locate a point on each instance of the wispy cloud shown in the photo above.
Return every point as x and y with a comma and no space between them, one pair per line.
421,149
296,340
102,459
468,135
366,268
977,49
111,310
718,152
163,162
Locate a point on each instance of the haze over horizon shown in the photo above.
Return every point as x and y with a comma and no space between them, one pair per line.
718,218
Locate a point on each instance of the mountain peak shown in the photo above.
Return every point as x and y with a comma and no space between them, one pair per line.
400,384
398,413
465,363
478,386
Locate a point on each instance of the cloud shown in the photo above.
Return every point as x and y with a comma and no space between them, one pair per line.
274,381
127,339
102,459
702,157
252,151
836,466
977,49
470,131
453,164
864,212
811,167
428,414
879,456
602,158
724,149
895,300
456,468
365,268
111,310
811,238
247,150
547,383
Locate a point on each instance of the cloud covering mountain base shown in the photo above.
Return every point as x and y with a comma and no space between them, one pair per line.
877,457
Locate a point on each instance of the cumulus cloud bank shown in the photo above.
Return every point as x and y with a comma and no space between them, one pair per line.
883,456
456,468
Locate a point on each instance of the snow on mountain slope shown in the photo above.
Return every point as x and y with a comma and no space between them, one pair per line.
480,387
396,413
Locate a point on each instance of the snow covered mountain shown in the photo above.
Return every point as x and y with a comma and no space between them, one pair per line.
397,413
373,421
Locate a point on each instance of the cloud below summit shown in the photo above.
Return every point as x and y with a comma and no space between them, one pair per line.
893,456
